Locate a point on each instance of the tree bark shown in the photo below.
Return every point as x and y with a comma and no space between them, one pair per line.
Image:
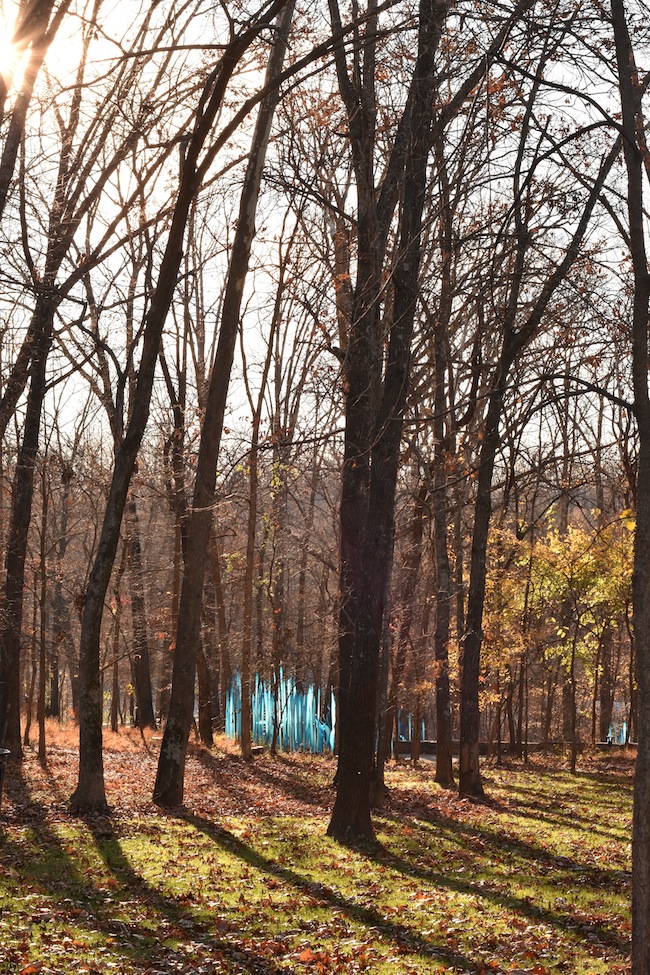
90,792
205,698
636,155
168,788
11,600
372,496
140,654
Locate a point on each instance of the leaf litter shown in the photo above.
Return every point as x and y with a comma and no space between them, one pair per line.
243,879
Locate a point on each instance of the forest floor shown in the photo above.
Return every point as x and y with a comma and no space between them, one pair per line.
536,880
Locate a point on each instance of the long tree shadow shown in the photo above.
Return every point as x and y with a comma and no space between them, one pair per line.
285,777
522,905
564,867
77,899
528,805
586,781
430,814
598,877
403,936
55,874
529,809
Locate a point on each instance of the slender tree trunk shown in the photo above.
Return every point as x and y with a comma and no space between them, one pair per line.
444,767
168,789
470,783
607,684
34,665
42,662
510,714
11,600
515,340
574,713
140,654
205,698
246,734
61,622
90,793
225,668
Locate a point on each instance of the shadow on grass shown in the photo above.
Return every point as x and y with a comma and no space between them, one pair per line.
528,802
465,835
282,774
561,871
63,879
529,807
75,898
400,934
55,873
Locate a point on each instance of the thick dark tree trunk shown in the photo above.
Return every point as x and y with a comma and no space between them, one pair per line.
636,155
373,496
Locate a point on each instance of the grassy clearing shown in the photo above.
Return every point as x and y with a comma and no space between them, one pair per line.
245,880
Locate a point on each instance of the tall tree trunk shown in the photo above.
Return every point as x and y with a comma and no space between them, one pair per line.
34,668
90,792
607,684
246,731
373,496
636,155
11,599
205,698
444,718
140,654
515,340
42,659
225,666
61,622
168,788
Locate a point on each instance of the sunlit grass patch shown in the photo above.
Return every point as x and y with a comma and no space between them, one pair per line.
536,880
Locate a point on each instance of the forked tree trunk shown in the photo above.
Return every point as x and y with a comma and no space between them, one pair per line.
364,583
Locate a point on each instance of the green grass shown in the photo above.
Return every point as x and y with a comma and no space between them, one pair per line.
537,881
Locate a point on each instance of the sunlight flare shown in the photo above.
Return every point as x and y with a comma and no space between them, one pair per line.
9,51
